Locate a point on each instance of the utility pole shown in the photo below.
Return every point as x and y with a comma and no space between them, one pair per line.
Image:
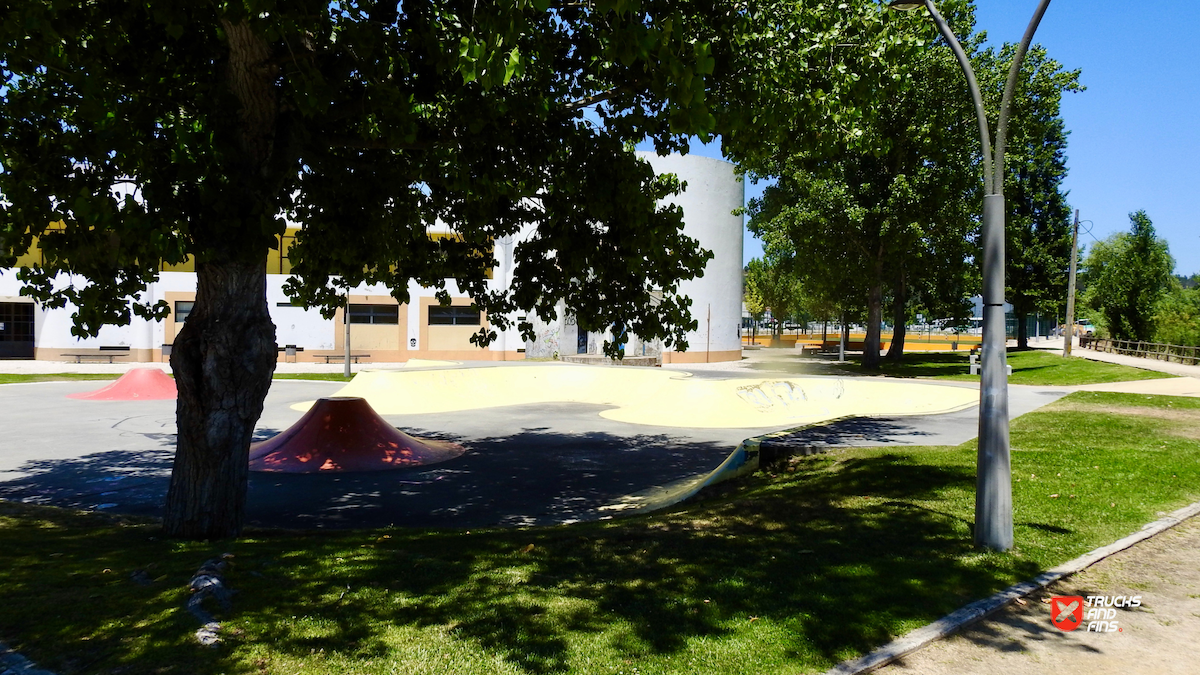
346,371
1069,333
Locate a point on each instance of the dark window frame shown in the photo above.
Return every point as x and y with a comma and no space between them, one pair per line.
374,314
455,315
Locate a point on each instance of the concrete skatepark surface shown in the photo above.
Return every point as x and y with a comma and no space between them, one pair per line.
528,463
653,396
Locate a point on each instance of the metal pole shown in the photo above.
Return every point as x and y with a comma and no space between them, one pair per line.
993,496
1069,333
993,483
346,371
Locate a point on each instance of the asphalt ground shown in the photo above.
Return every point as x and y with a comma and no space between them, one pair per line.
537,464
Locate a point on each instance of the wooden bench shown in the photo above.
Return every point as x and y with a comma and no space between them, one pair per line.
342,357
109,353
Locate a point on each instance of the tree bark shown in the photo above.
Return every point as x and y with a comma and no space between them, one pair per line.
223,360
899,321
871,359
1022,337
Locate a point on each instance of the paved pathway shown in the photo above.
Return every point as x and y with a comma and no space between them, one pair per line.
1160,637
1169,367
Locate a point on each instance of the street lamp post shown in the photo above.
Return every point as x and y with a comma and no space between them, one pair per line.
993,487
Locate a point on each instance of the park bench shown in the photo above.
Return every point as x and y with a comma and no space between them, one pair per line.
342,357
976,366
105,352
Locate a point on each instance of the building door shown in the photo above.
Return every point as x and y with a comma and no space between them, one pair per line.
16,330
581,340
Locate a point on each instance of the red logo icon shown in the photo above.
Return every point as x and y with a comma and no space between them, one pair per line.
1066,612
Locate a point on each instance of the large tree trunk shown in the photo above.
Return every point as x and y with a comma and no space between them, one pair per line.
899,321
1022,337
223,361
870,359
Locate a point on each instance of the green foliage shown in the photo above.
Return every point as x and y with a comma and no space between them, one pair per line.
1039,220
1177,318
158,131
1125,276
869,198
769,285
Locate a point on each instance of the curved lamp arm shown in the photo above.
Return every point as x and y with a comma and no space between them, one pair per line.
980,112
1010,87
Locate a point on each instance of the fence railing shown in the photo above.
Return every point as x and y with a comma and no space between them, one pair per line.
1148,350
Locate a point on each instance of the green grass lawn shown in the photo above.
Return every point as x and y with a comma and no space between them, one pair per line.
11,378
325,377
782,573
1035,367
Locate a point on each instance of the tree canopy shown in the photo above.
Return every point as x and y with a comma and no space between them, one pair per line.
883,204
1038,222
873,198
1177,317
1125,276
771,286
134,134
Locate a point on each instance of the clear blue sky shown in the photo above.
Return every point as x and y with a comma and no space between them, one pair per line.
1135,132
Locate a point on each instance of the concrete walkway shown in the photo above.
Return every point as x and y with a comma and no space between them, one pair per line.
1171,368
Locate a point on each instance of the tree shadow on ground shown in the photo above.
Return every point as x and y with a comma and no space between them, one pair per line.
838,556
843,555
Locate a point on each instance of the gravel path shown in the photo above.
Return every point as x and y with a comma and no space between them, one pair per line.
1159,638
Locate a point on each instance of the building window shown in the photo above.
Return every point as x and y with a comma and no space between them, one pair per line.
453,316
182,309
375,314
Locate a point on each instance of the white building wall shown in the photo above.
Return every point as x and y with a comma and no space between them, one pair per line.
713,193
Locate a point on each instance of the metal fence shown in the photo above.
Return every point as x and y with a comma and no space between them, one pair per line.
1148,350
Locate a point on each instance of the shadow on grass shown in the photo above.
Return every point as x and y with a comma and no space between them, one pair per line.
841,557
833,560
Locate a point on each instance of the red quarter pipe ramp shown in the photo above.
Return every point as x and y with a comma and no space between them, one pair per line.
139,384
345,434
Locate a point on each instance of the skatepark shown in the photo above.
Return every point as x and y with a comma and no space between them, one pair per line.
538,443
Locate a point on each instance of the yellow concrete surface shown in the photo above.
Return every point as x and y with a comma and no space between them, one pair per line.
652,396
430,363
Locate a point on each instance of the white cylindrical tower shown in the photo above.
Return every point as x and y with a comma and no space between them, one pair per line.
712,194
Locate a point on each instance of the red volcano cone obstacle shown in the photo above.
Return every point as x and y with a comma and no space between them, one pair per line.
139,384
344,433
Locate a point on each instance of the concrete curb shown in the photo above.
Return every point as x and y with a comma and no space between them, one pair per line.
980,609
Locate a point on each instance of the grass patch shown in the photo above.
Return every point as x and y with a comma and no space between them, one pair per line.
1034,367
15,378
788,573
324,377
